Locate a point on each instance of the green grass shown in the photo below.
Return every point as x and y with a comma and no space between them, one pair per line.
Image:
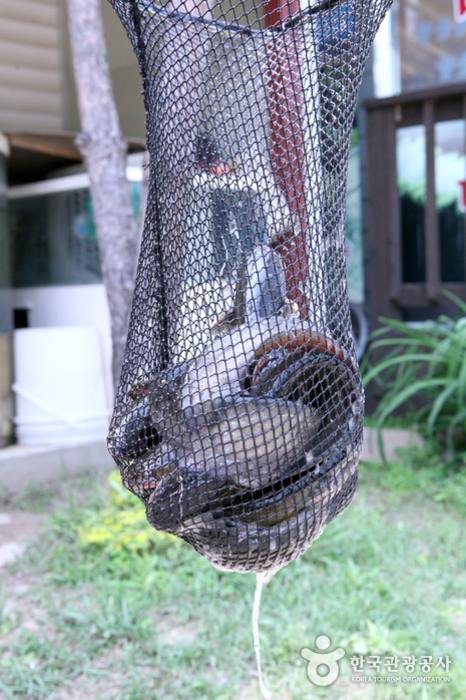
387,577
420,472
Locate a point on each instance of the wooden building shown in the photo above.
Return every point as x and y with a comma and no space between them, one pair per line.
415,176
49,263
36,82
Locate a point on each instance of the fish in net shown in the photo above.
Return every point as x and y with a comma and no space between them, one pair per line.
239,413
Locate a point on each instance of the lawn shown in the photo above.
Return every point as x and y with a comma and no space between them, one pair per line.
95,610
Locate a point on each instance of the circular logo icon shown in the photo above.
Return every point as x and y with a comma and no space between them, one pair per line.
319,662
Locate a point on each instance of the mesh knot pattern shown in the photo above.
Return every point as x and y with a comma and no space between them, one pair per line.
238,418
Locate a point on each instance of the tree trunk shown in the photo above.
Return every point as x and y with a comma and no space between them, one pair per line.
174,75
104,151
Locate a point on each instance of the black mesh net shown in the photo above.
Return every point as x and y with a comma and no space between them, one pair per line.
238,418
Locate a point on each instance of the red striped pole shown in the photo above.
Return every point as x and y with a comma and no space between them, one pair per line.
286,144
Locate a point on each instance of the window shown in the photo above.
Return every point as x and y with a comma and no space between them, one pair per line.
450,174
411,178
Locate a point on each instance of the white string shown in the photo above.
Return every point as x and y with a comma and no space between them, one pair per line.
261,580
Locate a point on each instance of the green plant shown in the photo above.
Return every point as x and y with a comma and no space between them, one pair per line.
426,361
121,526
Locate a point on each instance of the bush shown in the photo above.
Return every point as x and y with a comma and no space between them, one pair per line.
121,526
426,361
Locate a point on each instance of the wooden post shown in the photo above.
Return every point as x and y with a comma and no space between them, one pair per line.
432,249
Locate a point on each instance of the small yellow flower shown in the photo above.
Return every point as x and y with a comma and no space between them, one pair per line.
121,524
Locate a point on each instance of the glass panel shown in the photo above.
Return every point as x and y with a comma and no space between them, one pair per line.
420,314
432,43
53,239
354,224
411,175
450,176
30,257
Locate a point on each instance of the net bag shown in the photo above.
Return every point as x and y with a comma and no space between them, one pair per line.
238,418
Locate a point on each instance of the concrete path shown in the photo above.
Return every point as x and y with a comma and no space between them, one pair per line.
22,466
392,439
16,527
